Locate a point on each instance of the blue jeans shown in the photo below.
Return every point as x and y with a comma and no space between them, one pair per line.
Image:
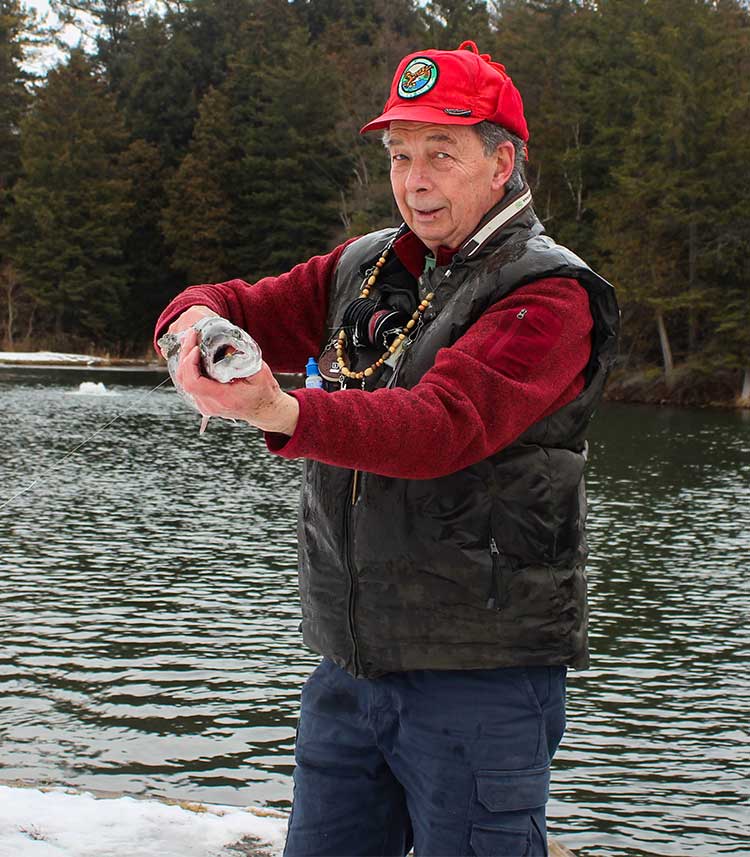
452,762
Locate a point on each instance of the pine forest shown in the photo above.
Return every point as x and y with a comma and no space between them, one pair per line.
190,141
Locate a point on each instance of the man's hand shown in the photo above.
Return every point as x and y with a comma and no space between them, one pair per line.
257,400
189,317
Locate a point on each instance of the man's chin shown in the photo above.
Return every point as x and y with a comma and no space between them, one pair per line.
429,233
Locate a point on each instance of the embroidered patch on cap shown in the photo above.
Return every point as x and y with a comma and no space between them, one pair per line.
419,77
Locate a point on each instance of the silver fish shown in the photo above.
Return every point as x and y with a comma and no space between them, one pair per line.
227,352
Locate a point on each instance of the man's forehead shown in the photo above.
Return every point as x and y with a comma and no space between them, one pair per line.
402,129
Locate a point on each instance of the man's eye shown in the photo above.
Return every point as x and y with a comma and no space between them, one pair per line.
442,155
398,157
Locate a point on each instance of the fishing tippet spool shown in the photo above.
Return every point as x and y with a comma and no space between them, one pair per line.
373,324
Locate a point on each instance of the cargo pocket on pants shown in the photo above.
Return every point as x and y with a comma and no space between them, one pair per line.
511,799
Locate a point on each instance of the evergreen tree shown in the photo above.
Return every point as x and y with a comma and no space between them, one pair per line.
286,101
196,222
723,265
455,21
72,207
265,172
293,169
365,40
15,34
151,280
659,223
168,65
162,67
104,22
13,94
542,45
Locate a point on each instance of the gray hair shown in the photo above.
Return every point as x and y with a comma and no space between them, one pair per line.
491,136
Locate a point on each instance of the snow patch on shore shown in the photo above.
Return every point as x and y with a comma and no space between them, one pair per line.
37,823
47,357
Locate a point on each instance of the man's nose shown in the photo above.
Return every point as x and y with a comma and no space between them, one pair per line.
418,178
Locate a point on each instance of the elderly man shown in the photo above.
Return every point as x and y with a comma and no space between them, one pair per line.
441,529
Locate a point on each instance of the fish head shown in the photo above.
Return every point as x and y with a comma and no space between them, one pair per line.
227,351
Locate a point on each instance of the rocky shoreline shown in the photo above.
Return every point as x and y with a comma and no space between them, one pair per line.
688,387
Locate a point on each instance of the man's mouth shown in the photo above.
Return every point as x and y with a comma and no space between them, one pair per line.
427,212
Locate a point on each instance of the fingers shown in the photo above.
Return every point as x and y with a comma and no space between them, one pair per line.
247,399
209,396
188,318
189,340
188,371
183,324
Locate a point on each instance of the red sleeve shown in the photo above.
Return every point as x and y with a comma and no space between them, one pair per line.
285,314
523,359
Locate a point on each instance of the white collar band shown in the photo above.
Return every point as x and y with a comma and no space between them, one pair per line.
511,210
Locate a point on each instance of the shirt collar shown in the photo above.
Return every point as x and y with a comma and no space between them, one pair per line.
411,253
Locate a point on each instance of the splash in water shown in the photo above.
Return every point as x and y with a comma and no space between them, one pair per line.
92,388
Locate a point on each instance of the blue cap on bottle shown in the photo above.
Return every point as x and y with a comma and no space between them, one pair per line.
312,367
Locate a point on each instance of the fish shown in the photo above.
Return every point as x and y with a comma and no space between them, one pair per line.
227,352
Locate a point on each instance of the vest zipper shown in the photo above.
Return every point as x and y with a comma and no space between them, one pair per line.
499,591
355,487
349,561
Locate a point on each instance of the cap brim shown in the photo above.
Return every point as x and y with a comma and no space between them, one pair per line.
416,113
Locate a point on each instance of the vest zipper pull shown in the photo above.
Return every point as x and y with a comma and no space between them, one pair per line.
493,602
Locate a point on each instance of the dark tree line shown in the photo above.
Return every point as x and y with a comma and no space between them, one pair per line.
207,139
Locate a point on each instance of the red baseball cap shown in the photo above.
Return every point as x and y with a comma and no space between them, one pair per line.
461,87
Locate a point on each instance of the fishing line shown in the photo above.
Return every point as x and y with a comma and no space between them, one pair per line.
75,449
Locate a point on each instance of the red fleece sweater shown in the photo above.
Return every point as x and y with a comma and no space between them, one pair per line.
521,360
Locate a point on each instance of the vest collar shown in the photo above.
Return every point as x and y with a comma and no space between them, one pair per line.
507,210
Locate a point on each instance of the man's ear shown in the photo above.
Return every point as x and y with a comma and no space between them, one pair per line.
505,159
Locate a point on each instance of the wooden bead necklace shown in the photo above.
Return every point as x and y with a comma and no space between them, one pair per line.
405,331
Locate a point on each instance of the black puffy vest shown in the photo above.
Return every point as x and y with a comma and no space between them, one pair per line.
481,568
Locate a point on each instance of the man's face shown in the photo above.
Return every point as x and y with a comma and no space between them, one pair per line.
442,180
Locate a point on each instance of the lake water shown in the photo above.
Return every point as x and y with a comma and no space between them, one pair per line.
148,614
